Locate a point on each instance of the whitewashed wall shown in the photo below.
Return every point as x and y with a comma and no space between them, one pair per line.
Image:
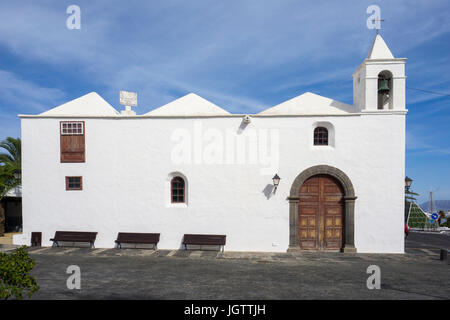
128,164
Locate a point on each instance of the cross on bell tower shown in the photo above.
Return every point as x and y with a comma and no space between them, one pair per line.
378,24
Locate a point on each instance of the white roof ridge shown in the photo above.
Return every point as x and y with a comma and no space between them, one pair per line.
189,105
91,104
309,103
192,105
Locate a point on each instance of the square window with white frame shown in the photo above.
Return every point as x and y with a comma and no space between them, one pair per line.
72,128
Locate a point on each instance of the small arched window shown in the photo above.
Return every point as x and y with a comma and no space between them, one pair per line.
177,190
320,136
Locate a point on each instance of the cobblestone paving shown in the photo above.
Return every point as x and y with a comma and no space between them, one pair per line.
193,274
174,274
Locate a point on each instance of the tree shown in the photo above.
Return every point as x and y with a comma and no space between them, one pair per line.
14,274
409,200
10,162
442,220
13,156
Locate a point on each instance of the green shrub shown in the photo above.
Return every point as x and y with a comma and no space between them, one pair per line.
14,274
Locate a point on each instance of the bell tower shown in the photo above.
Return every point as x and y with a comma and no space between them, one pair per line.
379,82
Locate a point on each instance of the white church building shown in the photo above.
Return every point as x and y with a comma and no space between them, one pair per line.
191,167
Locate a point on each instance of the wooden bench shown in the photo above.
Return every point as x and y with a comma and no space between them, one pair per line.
128,237
74,236
204,239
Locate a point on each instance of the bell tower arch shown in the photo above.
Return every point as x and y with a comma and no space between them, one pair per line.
379,82
385,90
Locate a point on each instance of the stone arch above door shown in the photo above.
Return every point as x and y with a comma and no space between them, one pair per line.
349,198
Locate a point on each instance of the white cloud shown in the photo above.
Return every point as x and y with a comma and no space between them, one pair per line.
18,95
234,53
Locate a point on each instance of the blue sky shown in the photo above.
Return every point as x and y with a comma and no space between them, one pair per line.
243,55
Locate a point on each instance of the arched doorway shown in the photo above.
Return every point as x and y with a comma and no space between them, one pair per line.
340,193
320,214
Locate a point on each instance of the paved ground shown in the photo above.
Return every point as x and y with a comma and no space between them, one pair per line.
426,242
164,274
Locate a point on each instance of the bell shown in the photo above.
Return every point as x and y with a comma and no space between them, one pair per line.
384,88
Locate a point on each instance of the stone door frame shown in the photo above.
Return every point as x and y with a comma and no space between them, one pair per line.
349,205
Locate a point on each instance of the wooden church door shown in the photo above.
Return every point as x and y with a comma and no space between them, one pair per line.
320,214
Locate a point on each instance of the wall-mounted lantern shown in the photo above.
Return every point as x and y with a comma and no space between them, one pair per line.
276,181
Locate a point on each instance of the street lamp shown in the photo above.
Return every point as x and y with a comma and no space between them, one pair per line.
17,174
408,182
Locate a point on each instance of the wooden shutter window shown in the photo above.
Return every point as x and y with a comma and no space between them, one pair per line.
72,141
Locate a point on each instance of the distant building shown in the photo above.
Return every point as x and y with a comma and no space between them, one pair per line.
12,204
192,167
